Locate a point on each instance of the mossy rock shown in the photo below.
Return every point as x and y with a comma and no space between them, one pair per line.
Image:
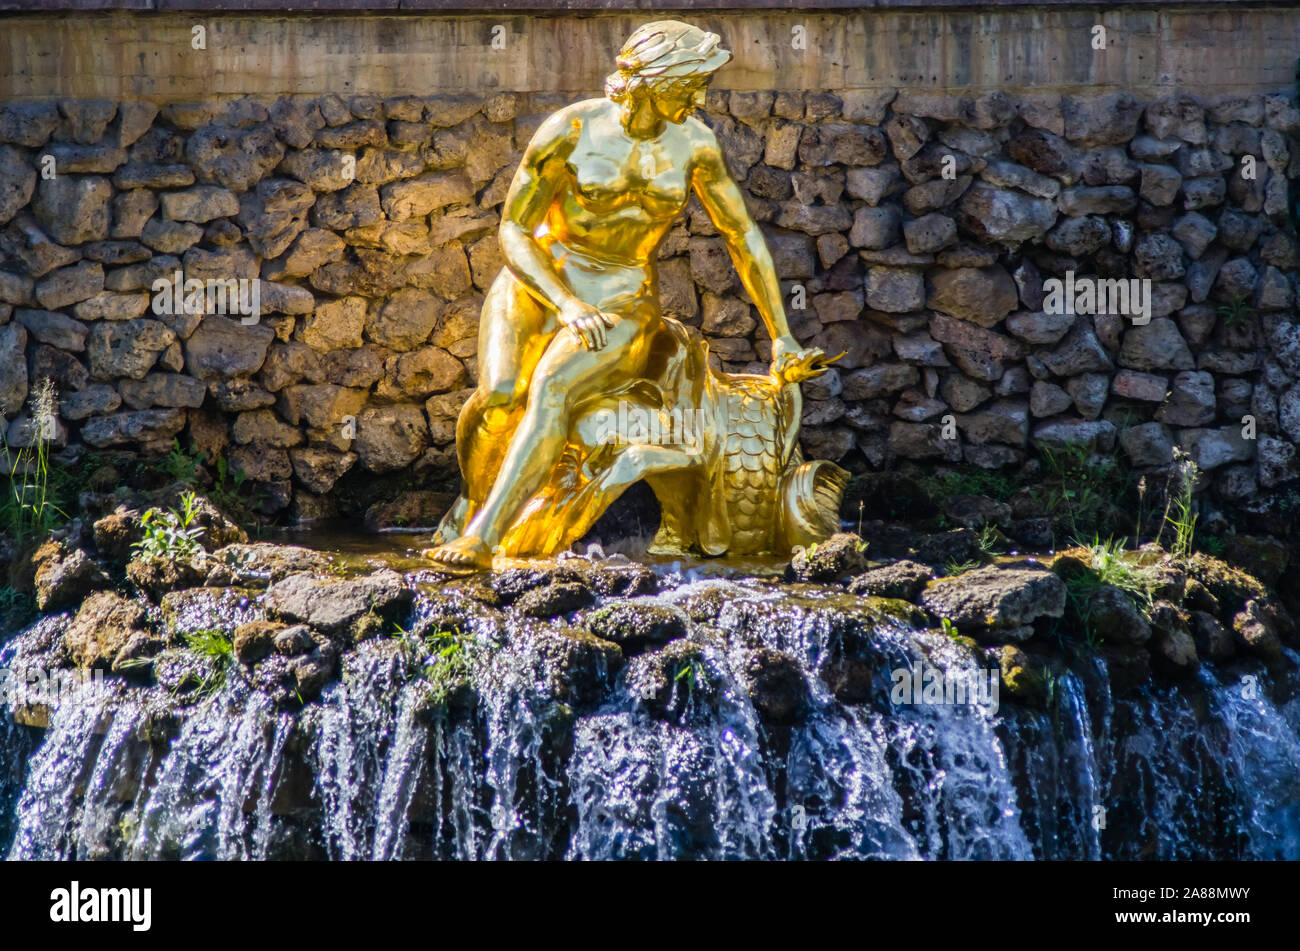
1021,677
1230,586
636,626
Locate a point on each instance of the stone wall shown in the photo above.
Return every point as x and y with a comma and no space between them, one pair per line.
915,229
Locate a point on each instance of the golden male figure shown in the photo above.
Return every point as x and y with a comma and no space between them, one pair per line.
571,314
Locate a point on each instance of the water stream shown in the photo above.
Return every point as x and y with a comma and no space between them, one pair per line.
532,761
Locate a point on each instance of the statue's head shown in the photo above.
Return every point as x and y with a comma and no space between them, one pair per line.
669,63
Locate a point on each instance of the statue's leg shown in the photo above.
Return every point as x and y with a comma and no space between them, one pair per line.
513,332
566,374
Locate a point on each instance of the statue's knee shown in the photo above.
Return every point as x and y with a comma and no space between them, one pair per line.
550,394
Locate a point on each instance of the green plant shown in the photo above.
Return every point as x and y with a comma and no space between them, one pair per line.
1235,310
442,658
994,483
956,567
688,672
182,466
1211,545
1083,487
227,485
1107,566
219,651
949,629
29,509
169,534
989,540
1180,509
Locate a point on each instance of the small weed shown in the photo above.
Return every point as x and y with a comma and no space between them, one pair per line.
1211,545
989,540
994,483
29,510
1180,509
442,658
1110,568
219,650
181,466
171,535
1235,310
688,672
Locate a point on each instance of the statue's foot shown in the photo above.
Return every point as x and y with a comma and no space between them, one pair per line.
467,553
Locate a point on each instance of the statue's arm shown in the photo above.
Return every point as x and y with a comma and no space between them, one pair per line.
722,199
531,192
536,184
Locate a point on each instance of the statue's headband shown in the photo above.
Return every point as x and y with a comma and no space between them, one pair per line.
660,53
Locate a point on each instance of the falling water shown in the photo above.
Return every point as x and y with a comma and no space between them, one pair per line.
521,764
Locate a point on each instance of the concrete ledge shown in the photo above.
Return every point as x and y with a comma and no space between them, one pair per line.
1153,49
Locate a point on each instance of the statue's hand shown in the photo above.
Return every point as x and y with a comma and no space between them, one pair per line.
782,347
586,323
802,365
787,355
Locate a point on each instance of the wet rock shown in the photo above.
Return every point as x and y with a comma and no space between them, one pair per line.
1259,628
840,555
673,680
158,576
313,671
1213,641
192,610
555,599
776,685
340,608
1173,651
904,580
254,641
1114,618
136,657
993,603
102,627
1021,678
579,667
636,626
293,641
64,580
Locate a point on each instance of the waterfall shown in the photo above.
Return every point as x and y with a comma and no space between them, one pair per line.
518,762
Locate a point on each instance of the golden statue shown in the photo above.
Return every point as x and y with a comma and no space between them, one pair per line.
584,386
